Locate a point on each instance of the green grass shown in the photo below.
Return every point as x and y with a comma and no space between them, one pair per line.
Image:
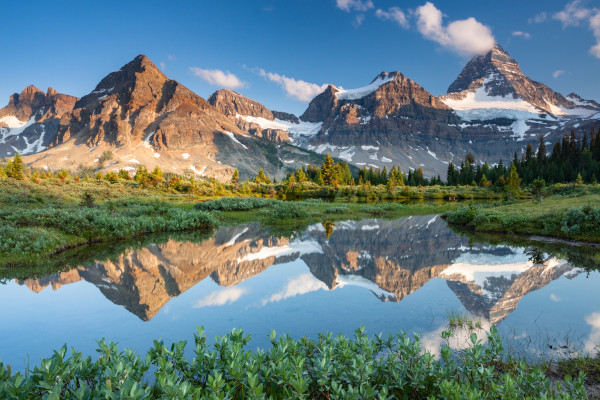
575,218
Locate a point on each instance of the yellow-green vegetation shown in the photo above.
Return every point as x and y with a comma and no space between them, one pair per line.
570,212
393,367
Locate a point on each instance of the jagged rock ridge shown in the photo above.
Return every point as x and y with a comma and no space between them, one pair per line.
144,117
30,121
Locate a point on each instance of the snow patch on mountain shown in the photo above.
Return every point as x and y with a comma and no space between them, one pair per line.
12,122
302,128
15,127
480,99
232,136
359,93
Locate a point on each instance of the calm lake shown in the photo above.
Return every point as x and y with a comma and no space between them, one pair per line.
407,274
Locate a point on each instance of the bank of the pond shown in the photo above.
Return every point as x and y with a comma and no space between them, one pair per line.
39,221
567,217
327,368
43,227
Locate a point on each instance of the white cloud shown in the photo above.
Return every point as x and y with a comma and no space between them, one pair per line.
555,298
220,297
299,285
218,78
162,65
466,37
393,14
538,18
358,20
558,73
297,89
171,57
356,5
522,34
593,342
574,14
460,339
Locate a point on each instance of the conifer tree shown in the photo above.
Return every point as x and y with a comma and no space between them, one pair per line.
235,178
261,177
14,169
156,176
513,183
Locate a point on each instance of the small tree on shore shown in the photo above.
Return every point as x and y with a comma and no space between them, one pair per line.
513,183
14,169
538,188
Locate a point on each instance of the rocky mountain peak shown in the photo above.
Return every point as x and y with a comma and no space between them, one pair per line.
496,64
51,92
320,108
497,77
32,102
232,103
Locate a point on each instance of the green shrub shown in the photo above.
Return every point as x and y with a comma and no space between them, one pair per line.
327,368
282,211
584,219
336,210
236,204
113,220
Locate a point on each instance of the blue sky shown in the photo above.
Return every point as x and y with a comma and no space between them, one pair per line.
279,52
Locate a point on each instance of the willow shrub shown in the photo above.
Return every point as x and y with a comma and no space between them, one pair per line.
326,368
110,220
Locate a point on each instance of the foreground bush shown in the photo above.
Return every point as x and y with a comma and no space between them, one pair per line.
326,368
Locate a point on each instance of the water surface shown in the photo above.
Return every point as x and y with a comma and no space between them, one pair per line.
407,275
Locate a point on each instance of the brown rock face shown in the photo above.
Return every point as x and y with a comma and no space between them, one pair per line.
231,103
32,102
130,104
39,114
142,117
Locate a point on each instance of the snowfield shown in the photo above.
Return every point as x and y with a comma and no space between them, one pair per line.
359,93
301,129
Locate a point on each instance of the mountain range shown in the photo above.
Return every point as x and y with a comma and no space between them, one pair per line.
138,114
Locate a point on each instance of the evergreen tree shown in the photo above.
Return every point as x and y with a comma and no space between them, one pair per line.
235,178
329,173
14,169
537,188
261,177
513,183
156,176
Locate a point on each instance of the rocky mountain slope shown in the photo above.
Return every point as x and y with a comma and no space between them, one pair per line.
392,259
30,121
491,110
495,81
138,114
143,117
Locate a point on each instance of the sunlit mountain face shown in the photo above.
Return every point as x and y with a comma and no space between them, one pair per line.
391,259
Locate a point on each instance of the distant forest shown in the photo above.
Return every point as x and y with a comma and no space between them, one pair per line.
574,158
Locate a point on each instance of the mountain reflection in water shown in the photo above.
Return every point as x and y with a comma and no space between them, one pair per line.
392,259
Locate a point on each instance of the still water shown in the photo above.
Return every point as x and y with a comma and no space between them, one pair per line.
398,275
